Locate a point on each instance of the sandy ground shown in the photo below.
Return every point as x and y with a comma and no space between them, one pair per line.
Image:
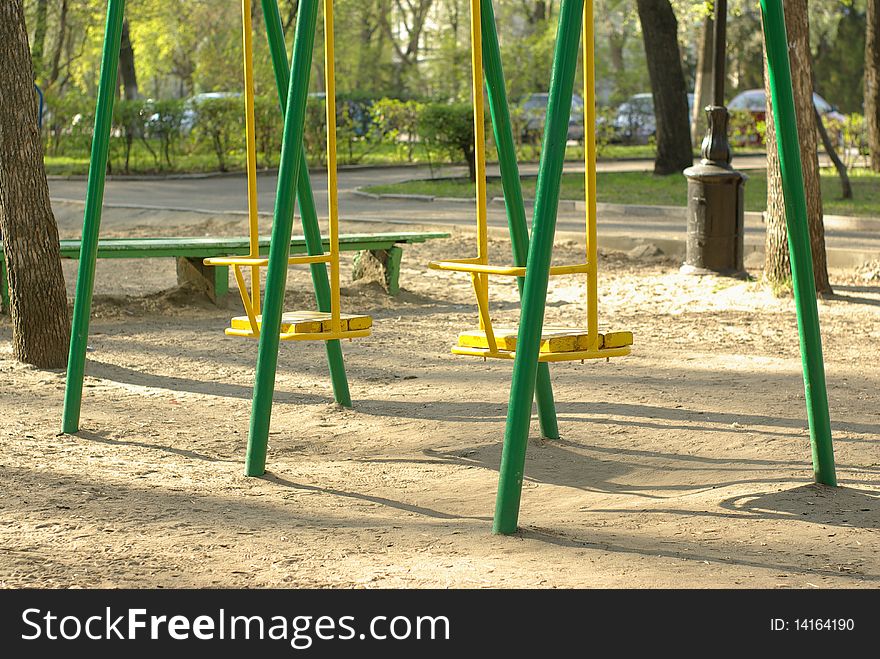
686,464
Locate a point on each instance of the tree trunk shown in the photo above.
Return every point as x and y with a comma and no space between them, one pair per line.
872,82
127,73
845,185
38,304
59,44
777,269
39,45
703,82
660,33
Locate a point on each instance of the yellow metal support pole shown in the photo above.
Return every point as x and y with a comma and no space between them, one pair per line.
479,148
590,169
253,222
332,187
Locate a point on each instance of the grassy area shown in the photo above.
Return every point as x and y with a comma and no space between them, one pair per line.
645,189
143,161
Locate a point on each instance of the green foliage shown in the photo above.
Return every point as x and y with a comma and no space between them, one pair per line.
164,124
267,129
397,121
220,123
449,129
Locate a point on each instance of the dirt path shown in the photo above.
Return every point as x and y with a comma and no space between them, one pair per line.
686,464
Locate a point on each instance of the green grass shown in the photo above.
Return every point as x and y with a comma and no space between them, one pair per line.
645,189
197,158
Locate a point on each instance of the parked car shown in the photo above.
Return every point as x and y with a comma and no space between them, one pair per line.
535,109
754,103
635,122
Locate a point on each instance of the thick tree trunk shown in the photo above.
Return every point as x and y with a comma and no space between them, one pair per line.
127,73
872,82
39,45
703,82
777,269
40,325
660,33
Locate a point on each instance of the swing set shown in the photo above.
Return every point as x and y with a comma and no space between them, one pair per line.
530,346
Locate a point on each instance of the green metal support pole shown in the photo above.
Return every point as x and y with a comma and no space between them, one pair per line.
788,144
513,197
85,281
525,365
279,249
306,201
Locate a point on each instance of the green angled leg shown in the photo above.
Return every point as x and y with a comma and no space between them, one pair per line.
279,249
306,200
513,197
791,171
85,280
525,365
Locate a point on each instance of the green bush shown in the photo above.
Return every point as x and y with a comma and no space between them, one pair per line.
449,129
315,132
164,124
268,129
397,121
220,123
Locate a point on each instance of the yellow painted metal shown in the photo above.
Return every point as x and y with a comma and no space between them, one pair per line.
468,265
480,152
590,169
308,322
264,260
311,336
481,288
553,339
246,299
251,141
576,356
332,190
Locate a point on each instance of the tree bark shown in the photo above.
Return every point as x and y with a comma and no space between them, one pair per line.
127,73
660,34
777,268
38,298
703,82
872,81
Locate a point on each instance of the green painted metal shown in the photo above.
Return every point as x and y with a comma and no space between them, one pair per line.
306,200
276,275
85,281
139,248
513,456
788,145
513,197
4,283
392,270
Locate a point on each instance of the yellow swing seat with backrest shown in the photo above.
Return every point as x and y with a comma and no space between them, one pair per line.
557,344
295,325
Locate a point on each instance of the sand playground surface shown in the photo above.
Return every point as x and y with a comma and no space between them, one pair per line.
686,464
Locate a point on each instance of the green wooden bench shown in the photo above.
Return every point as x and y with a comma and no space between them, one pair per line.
214,280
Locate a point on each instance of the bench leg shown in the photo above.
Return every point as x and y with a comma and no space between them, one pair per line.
392,270
211,280
386,260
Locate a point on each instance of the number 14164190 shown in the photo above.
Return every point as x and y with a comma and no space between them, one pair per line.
824,624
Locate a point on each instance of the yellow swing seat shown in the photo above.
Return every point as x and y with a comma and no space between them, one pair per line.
557,344
306,326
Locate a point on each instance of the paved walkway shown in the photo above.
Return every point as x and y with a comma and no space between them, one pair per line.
620,227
